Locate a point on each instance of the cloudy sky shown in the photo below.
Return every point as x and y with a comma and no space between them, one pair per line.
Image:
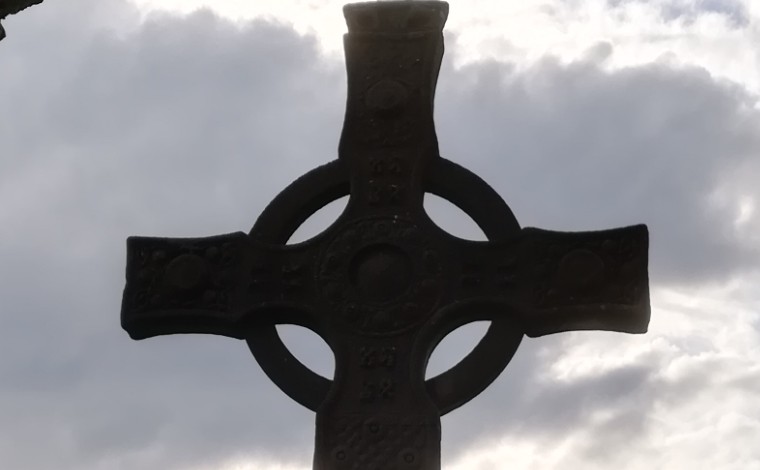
185,117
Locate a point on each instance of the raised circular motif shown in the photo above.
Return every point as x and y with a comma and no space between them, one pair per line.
380,275
373,427
185,271
387,96
340,454
381,272
408,458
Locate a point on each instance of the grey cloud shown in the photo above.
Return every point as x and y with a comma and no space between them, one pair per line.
604,419
734,11
575,147
527,404
188,126
131,119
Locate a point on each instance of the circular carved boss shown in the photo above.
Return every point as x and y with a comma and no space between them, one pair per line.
380,275
387,97
330,182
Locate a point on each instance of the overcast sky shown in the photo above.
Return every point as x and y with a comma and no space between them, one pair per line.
153,117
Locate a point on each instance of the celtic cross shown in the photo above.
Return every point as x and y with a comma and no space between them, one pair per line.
383,285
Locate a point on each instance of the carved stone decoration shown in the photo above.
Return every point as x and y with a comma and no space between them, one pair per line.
383,285
380,276
10,7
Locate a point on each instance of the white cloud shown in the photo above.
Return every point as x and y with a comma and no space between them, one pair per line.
717,34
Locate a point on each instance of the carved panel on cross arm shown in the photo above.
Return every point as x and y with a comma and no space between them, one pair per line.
593,270
192,275
273,280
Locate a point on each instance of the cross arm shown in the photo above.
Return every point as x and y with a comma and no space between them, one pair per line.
563,281
217,285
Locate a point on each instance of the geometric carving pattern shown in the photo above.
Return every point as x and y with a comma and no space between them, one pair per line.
380,443
381,275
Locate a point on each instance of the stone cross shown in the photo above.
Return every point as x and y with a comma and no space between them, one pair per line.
383,284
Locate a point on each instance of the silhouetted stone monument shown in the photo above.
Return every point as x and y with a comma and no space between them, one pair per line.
9,7
383,284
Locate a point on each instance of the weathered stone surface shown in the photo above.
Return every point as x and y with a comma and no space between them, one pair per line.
384,285
9,7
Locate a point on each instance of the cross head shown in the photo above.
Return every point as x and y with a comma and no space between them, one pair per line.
383,285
